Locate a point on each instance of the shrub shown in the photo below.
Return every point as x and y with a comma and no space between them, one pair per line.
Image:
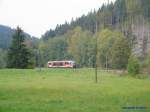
147,63
133,66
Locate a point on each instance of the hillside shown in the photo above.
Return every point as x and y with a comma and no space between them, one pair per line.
6,34
132,18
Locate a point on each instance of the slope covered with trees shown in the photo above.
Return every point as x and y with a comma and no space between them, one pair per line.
130,17
111,15
6,34
121,28
6,37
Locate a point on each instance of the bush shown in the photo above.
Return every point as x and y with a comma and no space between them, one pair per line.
133,66
147,63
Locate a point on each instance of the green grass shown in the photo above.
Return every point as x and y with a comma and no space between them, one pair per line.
70,90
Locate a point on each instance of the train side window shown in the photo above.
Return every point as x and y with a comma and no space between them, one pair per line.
54,64
61,64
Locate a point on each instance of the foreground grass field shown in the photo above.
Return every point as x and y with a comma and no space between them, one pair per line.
69,90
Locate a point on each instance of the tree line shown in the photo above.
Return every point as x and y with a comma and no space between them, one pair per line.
122,29
111,15
113,48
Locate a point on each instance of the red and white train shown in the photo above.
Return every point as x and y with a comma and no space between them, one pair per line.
61,64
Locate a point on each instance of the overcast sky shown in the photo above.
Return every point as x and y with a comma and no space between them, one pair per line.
37,16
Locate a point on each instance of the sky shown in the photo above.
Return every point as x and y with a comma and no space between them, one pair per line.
37,16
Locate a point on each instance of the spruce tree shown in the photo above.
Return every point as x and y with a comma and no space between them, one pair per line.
18,55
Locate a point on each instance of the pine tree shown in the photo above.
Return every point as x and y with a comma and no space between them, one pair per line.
18,55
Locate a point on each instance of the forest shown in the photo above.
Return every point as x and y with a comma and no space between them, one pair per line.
111,37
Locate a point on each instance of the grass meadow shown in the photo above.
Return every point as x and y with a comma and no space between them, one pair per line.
71,90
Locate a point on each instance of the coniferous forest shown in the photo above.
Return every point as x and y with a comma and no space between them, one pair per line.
117,32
